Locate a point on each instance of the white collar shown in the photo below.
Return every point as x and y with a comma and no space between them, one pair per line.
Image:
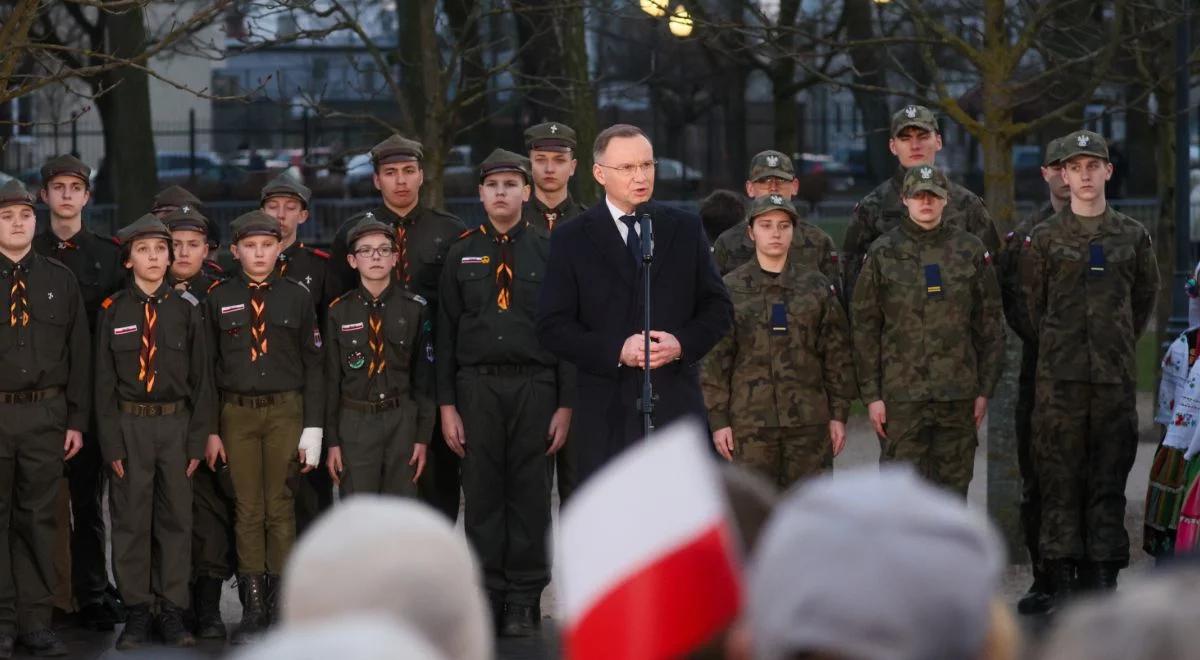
616,213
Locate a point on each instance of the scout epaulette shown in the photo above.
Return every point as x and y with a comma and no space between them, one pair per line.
339,299
469,232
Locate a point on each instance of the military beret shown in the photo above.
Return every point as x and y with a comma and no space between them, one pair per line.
917,116
396,149
551,136
175,197
771,163
1054,152
286,186
1084,143
924,178
14,192
255,223
66,164
147,226
185,218
502,160
763,203
368,226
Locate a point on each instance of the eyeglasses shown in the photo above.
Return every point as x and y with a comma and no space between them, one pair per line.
383,251
632,169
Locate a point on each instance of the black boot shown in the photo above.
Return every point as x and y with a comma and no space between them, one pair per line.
42,643
520,621
1106,575
170,626
272,599
137,628
1063,574
254,609
1039,598
206,603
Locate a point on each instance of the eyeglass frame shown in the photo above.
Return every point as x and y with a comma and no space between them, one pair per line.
632,169
368,252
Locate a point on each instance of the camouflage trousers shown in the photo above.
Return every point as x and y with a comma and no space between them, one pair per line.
1031,499
937,437
784,455
1084,444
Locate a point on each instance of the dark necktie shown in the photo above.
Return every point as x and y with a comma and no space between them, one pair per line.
631,240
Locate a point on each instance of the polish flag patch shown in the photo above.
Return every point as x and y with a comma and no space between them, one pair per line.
124,330
229,309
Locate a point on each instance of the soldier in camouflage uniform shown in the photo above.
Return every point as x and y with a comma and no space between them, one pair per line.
771,173
1037,600
779,387
915,141
1089,278
928,336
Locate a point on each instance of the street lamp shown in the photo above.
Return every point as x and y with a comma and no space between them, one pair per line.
680,23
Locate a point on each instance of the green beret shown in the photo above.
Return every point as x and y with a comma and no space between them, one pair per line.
255,223
185,218
551,136
286,186
147,226
368,226
66,164
14,192
396,149
175,197
502,160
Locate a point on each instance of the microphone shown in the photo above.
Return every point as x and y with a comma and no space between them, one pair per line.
646,228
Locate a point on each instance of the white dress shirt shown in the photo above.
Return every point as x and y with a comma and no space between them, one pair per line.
617,214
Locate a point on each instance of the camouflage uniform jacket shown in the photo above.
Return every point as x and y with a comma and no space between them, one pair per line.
881,211
780,370
812,248
1088,297
1007,269
927,319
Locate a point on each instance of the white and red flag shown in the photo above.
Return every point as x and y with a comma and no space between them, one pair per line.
649,566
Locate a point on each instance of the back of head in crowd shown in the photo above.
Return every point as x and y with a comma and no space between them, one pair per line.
876,565
350,638
396,557
721,210
1154,619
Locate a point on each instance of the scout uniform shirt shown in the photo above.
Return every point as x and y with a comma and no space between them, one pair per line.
787,362
95,260
152,349
489,300
308,266
379,350
197,285
1089,297
926,317
44,340
267,342
543,217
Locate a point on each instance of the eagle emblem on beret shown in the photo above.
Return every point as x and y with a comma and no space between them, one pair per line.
911,112
926,173
772,161
776,199
1083,140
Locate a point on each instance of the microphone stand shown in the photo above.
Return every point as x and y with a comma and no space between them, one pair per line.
646,402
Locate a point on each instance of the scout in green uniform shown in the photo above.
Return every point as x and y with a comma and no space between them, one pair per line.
928,336
778,388
176,198
772,173
379,405
552,163
154,403
505,401
286,200
551,148
1037,600
45,402
268,371
96,262
915,141
213,557
1089,279
423,236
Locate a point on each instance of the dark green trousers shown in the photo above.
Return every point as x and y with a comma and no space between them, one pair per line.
506,478
261,445
152,512
376,448
784,455
31,464
441,485
937,437
213,541
1084,444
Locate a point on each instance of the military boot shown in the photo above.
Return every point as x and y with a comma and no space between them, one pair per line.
1039,598
254,609
138,621
171,628
1063,574
272,599
206,603
1106,575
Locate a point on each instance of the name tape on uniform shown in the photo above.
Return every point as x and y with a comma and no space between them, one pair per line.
351,327
124,330
476,260
229,309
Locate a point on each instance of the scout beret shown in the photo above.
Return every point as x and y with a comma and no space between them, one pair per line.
763,203
368,226
502,160
185,218
255,223
771,163
550,136
1084,143
147,226
926,178
66,164
14,192
286,186
917,116
396,149
175,197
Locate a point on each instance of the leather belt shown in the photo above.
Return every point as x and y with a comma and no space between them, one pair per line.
257,400
151,409
30,396
372,406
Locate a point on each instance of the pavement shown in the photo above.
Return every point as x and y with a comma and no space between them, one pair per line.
862,448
